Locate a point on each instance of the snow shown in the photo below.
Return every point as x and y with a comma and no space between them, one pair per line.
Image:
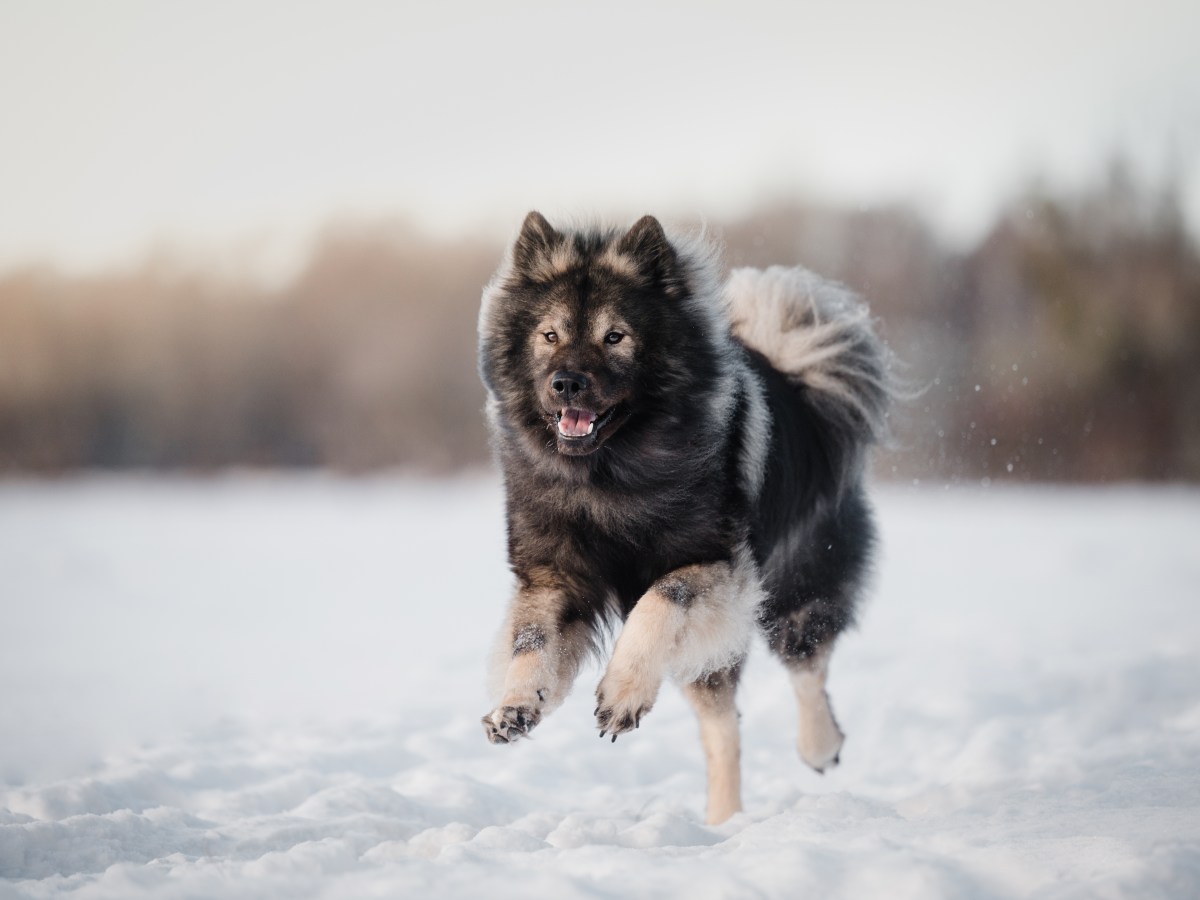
263,686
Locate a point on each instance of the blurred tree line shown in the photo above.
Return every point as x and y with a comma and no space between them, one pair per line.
1065,345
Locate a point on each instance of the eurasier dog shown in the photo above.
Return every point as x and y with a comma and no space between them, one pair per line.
684,452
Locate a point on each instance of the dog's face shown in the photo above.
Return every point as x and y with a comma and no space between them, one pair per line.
574,338
584,364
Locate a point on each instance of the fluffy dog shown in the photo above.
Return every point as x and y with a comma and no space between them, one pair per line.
683,452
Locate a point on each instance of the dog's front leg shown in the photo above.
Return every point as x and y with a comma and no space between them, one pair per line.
695,620
538,660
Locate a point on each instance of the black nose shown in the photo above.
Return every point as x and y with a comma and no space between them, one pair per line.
568,384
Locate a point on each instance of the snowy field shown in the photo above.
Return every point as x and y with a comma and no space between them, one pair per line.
268,686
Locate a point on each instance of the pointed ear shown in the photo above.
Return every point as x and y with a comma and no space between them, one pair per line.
535,243
646,243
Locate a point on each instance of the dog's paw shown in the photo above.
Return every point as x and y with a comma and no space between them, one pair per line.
820,744
506,724
621,703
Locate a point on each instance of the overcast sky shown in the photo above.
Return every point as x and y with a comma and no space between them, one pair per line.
208,124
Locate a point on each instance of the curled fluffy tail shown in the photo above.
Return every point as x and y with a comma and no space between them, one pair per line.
818,334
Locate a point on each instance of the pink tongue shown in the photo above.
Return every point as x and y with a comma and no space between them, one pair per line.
575,422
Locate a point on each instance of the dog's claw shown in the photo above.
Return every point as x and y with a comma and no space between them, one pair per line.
837,758
613,723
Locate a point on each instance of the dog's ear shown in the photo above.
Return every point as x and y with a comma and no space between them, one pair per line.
646,243
535,244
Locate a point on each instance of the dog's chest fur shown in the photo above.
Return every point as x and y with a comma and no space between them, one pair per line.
614,541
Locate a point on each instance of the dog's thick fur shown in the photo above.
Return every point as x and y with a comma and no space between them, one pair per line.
683,452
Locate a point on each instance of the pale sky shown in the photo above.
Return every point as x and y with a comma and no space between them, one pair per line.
128,125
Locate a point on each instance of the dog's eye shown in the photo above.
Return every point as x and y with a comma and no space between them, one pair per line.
551,337
613,337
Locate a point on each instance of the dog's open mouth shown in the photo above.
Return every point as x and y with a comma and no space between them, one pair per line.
581,432
581,423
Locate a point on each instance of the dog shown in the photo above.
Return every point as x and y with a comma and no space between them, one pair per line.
682,451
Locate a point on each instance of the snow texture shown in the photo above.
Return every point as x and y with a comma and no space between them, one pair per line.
267,686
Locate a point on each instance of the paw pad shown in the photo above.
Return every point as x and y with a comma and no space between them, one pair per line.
507,724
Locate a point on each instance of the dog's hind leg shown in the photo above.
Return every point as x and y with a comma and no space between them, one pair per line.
804,640
712,697
820,740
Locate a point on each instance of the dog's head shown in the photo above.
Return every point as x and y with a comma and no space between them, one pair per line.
586,337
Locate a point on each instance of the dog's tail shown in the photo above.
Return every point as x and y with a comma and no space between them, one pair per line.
820,336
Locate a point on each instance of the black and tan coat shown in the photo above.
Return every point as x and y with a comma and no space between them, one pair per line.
682,452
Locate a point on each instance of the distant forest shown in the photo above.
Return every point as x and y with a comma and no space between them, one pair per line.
1064,346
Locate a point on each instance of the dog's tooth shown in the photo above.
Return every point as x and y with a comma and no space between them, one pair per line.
591,426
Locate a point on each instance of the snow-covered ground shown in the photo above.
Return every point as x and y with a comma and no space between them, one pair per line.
268,686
